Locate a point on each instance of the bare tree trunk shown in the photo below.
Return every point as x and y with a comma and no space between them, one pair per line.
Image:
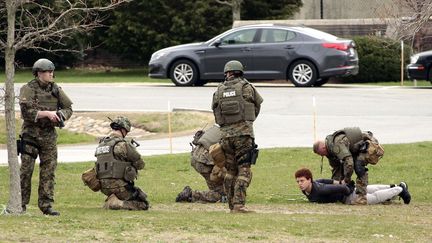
236,9
14,205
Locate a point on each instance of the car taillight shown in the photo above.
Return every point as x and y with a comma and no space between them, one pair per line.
337,46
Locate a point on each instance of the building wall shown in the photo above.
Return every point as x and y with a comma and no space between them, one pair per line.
343,9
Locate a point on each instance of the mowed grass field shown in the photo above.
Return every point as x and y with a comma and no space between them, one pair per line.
282,213
93,76
140,75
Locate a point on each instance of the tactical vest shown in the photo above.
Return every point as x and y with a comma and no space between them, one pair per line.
44,99
232,107
107,166
353,134
210,137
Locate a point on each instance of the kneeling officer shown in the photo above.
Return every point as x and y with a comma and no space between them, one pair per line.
116,167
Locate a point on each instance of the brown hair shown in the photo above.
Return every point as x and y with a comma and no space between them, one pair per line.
303,172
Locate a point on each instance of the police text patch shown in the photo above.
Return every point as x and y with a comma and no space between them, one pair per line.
229,94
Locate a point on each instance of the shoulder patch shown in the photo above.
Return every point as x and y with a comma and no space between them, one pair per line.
102,150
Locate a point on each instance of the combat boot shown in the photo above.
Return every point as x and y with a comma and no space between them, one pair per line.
112,202
185,195
50,212
135,205
405,195
238,208
360,200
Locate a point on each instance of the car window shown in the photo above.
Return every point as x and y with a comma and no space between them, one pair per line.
316,33
276,35
239,37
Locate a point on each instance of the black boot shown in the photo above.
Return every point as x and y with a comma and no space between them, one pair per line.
405,195
185,195
51,212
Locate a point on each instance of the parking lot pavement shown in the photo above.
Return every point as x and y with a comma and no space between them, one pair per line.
394,114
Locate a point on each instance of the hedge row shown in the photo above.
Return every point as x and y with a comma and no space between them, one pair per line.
379,59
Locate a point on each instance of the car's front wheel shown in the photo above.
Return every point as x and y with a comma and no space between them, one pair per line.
184,73
302,73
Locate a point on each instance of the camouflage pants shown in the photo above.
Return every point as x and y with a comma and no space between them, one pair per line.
361,181
46,148
215,192
337,173
239,176
361,184
134,198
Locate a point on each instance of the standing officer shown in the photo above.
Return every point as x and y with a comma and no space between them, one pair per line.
44,105
117,165
236,104
203,163
348,150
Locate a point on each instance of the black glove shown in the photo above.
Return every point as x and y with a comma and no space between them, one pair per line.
359,168
351,186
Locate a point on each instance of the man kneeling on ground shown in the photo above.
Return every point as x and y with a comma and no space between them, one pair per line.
117,164
203,163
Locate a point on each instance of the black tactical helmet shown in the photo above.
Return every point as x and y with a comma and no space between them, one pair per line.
121,122
233,65
42,65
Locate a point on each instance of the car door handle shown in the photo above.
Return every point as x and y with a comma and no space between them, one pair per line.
246,49
200,52
289,47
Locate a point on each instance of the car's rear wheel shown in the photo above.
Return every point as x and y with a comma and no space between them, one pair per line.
302,73
321,82
184,73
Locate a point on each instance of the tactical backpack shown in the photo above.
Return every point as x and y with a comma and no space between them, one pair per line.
374,151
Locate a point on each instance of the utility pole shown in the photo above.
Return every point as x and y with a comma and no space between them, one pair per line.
321,9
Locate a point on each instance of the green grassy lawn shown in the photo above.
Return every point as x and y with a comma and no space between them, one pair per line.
182,123
93,76
139,76
406,83
65,137
282,214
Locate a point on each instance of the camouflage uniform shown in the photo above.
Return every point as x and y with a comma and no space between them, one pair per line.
237,137
203,163
132,197
344,155
40,138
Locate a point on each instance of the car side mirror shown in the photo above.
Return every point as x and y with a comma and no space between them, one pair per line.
217,43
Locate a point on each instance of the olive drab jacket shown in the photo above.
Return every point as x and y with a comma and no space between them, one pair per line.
343,147
236,104
36,96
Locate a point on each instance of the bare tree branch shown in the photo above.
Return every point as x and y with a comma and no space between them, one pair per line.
224,2
44,22
411,19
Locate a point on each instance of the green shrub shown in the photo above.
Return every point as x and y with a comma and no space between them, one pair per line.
379,60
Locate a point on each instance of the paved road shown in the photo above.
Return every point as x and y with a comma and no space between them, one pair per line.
394,114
